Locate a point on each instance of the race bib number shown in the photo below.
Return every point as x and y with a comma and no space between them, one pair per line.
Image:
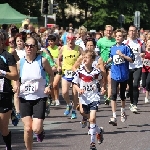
30,87
118,59
89,86
135,49
146,62
68,74
1,84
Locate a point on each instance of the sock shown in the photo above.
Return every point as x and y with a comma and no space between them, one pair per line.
122,110
7,140
114,114
93,132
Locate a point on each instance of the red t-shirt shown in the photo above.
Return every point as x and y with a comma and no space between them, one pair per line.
146,62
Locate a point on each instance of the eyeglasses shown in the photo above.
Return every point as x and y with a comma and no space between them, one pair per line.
29,46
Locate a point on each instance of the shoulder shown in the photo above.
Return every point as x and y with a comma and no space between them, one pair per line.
113,46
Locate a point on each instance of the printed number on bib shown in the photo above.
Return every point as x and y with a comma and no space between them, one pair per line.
146,62
88,87
68,74
118,59
30,87
1,84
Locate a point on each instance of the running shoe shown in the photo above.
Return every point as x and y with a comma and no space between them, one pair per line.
123,117
57,102
99,136
107,101
133,108
83,123
67,111
113,121
73,115
92,146
40,136
146,100
18,116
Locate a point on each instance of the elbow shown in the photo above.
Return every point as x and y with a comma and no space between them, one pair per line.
15,77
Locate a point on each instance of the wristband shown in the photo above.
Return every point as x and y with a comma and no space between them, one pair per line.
3,73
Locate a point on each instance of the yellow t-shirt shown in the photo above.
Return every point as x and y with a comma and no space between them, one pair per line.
54,51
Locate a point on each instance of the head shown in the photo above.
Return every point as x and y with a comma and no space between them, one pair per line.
143,37
98,36
11,41
132,32
90,44
51,40
89,57
71,39
108,31
31,28
119,35
31,46
19,41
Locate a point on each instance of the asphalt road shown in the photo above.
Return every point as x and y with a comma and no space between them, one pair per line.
62,133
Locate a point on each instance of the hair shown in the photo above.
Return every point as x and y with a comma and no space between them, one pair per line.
52,37
35,40
20,35
90,39
120,30
133,26
91,53
110,26
4,26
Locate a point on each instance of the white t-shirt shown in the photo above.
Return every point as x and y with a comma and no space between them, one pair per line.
21,53
137,46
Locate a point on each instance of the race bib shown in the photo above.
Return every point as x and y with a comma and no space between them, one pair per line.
1,84
68,74
118,59
135,49
146,62
29,87
89,86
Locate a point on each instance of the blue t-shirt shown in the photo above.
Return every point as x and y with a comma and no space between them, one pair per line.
120,66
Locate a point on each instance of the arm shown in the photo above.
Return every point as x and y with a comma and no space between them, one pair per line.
60,58
48,69
77,63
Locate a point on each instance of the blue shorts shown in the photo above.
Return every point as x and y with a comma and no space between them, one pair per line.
89,107
68,79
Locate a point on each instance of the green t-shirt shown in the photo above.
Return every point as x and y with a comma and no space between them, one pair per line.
51,62
104,44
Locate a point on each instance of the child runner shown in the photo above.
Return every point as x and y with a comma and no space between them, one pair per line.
146,71
120,55
84,81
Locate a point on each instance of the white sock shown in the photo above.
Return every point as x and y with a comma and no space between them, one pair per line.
93,132
114,115
122,110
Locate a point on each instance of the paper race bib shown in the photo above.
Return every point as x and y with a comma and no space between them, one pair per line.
1,84
68,74
118,59
29,87
146,62
135,49
89,86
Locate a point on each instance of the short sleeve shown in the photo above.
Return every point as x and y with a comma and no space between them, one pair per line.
11,60
130,53
110,54
143,47
76,77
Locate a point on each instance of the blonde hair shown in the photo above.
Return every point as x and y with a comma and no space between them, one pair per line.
109,26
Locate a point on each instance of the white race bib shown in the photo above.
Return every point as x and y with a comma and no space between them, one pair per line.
89,86
135,49
146,62
68,74
1,84
29,87
118,59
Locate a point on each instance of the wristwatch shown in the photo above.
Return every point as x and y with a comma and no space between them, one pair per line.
50,86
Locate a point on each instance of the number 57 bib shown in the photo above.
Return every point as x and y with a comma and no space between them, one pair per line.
29,87
118,59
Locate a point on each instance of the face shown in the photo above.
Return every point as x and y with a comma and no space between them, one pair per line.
119,37
148,44
71,40
19,42
30,47
11,42
90,45
108,31
51,42
87,59
132,32
98,36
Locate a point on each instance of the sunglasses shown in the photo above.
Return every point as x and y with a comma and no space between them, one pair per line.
71,38
29,46
11,41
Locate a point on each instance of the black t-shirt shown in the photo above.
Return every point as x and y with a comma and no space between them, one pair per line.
6,60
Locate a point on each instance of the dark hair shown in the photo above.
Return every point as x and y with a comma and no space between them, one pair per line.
14,30
20,35
122,31
52,37
25,26
92,53
4,26
90,39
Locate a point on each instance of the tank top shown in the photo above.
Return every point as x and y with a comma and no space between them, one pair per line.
69,57
54,51
33,79
146,62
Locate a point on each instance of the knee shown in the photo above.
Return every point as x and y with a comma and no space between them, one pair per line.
27,129
64,91
37,129
92,120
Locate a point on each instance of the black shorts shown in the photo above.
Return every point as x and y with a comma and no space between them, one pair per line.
5,102
89,107
33,108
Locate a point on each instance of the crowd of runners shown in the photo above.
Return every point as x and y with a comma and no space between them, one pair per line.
35,61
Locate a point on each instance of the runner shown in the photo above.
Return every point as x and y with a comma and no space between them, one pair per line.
120,56
138,48
85,82
8,72
146,71
68,55
104,45
33,91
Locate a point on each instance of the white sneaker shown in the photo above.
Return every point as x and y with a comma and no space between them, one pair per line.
123,117
146,100
133,108
57,102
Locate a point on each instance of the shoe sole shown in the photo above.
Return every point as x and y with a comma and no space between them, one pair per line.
113,123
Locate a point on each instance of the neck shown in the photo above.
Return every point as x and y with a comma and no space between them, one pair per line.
30,58
71,46
119,43
52,46
88,67
108,37
19,48
132,38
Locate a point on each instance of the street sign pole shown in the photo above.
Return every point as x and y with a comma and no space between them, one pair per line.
137,19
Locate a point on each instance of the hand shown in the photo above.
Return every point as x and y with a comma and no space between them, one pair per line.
118,52
103,91
47,91
142,55
54,69
81,91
